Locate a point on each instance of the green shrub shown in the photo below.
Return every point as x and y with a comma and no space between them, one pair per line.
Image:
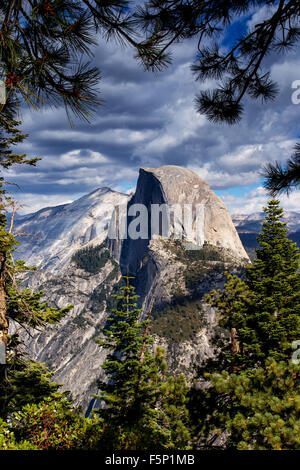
8,440
53,425
92,258
179,321
207,252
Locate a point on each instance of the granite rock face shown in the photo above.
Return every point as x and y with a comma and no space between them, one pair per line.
56,233
149,259
173,279
176,186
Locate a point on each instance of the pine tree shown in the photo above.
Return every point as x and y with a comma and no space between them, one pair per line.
22,380
275,281
43,46
34,414
250,398
42,41
138,411
46,49
11,135
239,69
266,310
259,408
20,377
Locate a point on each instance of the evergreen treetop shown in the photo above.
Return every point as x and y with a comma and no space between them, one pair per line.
265,307
126,394
142,409
251,397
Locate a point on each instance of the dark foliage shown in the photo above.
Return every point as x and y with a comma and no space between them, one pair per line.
239,69
282,179
178,322
91,259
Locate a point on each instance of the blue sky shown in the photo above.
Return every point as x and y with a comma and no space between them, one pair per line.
149,119
238,191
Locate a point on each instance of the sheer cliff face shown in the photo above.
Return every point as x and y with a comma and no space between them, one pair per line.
173,185
174,278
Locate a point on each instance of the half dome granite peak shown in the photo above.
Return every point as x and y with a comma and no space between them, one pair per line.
178,185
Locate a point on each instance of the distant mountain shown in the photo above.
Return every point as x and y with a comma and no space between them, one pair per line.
249,226
80,265
252,223
56,233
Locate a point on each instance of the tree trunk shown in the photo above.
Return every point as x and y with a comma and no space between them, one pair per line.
3,309
235,347
3,336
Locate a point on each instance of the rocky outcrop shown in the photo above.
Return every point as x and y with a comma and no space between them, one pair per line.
169,276
176,186
55,235
149,259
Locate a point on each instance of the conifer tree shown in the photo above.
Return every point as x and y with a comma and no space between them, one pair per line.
258,408
239,65
251,397
274,279
10,135
281,179
22,380
34,414
142,408
43,46
265,307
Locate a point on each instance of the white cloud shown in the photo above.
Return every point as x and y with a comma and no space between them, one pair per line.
256,199
33,202
74,157
150,120
222,179
261,15
286,72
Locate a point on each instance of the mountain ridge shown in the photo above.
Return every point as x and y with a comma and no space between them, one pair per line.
252,222
52,230
169,277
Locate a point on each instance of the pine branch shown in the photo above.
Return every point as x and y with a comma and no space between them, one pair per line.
281,179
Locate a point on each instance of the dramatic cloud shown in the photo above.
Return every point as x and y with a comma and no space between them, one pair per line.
149,119
253,201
